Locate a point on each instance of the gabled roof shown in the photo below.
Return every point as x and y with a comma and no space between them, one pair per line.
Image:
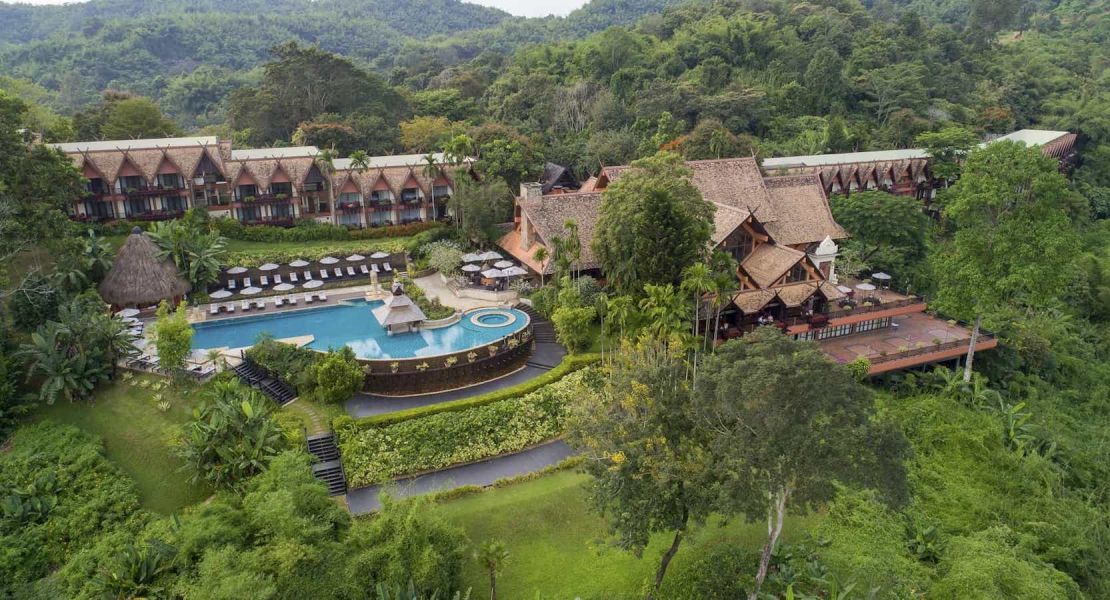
725,221
752,301
768,262
145,144
549,214
801,210
795,294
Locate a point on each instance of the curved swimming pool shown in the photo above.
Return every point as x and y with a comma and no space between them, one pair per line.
351,323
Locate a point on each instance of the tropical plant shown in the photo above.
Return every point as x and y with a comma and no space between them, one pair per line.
135,571
663,311
172,336
492,556
431,172
66,375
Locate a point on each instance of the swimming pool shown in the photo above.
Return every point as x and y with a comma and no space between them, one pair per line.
351,323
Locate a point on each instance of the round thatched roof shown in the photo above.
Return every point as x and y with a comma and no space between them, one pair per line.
138,277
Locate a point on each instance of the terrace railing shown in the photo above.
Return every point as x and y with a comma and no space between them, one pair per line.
929,349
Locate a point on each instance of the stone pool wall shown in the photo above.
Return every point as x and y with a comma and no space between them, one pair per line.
447,371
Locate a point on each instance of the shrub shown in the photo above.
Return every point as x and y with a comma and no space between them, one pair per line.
416,245
443,256
859,367
544,300
377,454
335,376
287,361
572,327
433,308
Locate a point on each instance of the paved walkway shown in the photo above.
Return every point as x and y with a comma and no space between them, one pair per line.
545,357
364,500
434,287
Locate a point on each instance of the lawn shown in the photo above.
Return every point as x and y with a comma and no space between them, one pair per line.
557,547
139,437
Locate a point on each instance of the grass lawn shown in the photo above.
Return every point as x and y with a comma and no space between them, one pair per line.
139,437
557,547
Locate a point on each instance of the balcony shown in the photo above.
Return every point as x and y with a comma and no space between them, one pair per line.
147,192
349,207
278,221
911,340
156,215
262,199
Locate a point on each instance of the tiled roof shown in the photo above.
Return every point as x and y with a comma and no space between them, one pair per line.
725,220
768,262
268,153
830,291
801,210
795,294
752,301
549,214
120,145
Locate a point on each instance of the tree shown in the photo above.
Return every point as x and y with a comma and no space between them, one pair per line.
197,253
540,255
62,375
172,336
360,160
662,309
1014,238
336,376
424,134
231,436
492,555
653,224
782,423
947,148
887,230
509,160
479,207
432,172
639,439
136,118
572,326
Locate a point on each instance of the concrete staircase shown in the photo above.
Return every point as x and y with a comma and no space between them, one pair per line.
328,468
253,375
548,352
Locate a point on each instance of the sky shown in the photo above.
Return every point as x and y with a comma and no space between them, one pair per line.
522,8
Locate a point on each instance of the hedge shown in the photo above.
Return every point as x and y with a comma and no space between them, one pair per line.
569,364
286,254
378,454
307,230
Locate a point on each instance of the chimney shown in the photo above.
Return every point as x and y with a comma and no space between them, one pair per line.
531,190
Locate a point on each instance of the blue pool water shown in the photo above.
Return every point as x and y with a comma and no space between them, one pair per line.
352,324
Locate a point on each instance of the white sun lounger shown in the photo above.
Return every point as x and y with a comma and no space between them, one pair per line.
277,279
293,278
364,270
388,269
230,284
322,297
291,301
308,275
230,307
214,310
265,280
350,271
246,282
374,268
338,272
260,304
246,305
278,301
323,273
308,298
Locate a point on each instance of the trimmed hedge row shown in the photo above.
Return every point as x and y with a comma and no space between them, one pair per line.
307,230
378,454
569,364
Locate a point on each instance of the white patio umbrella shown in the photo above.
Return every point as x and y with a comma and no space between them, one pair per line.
283,287
268,267
299,263
515,272
502,264
844,288
493,273
380,254
471,257
313,284
128,313
490,255
866,287
471,268
880,276
220,294
355,258
236,270
329,260
250,291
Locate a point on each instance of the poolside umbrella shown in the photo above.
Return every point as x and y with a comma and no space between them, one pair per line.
329,260
514,272
283,287
867,287
313,284
471,257
493,273
268,267
220,294
490,255
502,264
881,276
355,258
380,254
236,270
845,289
471,268
299,263
127,313
250,291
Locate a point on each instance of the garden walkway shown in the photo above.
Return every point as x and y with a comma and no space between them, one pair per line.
364,500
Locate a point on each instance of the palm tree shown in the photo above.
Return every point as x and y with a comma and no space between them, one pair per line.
620,310
663,309
360,160
541,255
97,256
431,171
697,280
492,555
573,246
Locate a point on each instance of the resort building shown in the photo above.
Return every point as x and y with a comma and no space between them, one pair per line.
903,172
158,179
783,236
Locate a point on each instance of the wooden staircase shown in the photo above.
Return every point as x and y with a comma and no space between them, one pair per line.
327,468
253,375
542,332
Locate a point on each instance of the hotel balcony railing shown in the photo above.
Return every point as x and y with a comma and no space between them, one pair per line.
383,204
984,336
263,199
411,199
156,215
349,206
828,315
156,190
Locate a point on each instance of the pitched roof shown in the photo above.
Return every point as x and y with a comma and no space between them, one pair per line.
768,262
815,160
554,174
145,144
549,214
752,301
830,291
725,221
801,210
795,294
138,277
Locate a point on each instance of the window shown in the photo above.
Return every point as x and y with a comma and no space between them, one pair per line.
350,219
381,197
137,206
349,200
131,182
739,244
410,195
285,188
173,204
169,181
247,191
798,273
441,191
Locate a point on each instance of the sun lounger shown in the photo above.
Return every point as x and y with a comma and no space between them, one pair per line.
388,269
374,268
260,304
230,284
338,272
265,280
246,305
350,271
293,278
278,302
308,298
214,309
322,297
308,275
246,282
291,301
364,270
323,273
229,307
277,279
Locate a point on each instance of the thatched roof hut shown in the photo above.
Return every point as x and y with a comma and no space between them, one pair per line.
399,311
139,278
